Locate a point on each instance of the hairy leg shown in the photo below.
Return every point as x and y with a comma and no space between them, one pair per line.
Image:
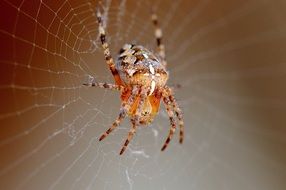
158,35
125,106
104,85
178,111
170,113
108,58
179,115
134,121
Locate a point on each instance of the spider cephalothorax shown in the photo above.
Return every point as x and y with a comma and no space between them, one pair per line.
141,77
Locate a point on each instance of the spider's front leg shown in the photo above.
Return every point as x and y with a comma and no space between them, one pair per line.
130,134
125,106
134,121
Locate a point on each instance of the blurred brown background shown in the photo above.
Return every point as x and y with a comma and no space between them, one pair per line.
228,57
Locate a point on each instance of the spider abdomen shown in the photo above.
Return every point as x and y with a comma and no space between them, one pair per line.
139,66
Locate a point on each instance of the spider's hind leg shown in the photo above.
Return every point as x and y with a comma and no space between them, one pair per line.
179,115
170,112
169,95
108,58
158,34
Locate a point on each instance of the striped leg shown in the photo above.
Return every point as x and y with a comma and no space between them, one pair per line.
105,85
107,55
179,115
170,112
178,112
130,135
134,122
125,106
158,35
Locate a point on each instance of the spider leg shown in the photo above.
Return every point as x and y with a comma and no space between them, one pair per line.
134,121
108,58
130,135
104,85
158,35
179,115
125,106
178,112
170,112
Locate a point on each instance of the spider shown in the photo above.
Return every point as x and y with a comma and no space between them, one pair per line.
141,77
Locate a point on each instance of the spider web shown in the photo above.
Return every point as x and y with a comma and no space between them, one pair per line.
227,57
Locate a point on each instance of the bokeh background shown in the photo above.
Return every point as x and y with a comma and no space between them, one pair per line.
228,57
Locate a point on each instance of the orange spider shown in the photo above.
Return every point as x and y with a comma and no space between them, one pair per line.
141,77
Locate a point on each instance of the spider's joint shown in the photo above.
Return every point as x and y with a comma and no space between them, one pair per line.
154,17
158,33
101,30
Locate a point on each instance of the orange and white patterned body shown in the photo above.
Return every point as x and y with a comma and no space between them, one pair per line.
137,66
